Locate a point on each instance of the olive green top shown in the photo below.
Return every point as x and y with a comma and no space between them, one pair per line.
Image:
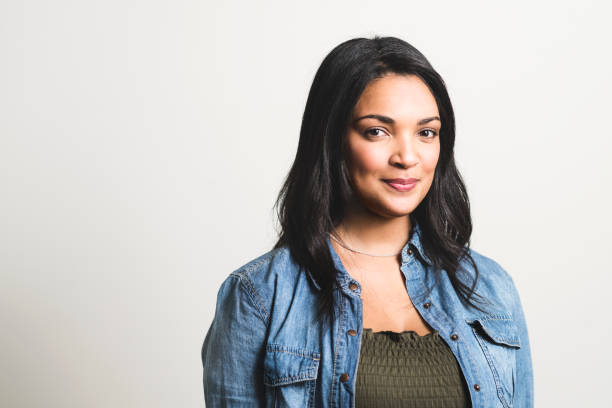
408,370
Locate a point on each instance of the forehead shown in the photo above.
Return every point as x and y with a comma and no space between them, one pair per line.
397,96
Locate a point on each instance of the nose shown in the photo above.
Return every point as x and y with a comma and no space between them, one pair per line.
404,153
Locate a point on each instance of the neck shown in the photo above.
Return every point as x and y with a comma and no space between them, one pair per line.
372,233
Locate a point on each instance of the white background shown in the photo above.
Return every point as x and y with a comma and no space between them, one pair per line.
142,145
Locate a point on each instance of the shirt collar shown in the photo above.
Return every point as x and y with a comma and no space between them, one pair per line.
416,243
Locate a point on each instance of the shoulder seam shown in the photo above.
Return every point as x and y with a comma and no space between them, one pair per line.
248,286
243,274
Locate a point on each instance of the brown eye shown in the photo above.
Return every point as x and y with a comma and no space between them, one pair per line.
370,132
432,134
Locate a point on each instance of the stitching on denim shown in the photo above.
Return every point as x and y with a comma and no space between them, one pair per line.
506,317
472,362
298,354
334,381
263,314
308,375
279,348
440,311
443,315
244,279
311,392
507,341
250,267
498,384
474,366
513,341
345,358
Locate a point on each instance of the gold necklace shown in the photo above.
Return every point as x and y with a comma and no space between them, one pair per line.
359,252
371,290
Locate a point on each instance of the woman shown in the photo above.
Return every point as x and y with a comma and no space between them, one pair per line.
371,297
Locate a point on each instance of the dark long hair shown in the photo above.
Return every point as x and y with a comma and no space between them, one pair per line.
316,190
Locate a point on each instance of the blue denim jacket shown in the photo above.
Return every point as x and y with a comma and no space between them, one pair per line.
265,348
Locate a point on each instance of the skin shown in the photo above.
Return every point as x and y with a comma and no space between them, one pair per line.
377,218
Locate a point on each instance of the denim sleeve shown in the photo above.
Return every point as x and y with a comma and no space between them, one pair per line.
523,387
233,349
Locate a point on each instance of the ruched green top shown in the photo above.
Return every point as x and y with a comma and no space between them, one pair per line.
408,370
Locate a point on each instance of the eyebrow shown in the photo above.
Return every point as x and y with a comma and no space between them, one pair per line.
390,121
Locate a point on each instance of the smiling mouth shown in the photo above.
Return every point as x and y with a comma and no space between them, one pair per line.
401,184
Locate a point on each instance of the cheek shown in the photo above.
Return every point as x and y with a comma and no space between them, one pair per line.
365,161
429,160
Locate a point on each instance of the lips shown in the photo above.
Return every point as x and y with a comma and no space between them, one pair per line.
401,181
401,184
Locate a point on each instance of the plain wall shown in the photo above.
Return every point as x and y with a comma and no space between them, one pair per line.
142,145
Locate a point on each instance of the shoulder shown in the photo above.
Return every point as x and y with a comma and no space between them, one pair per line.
256,268
493,282
261,278
492,271
273,268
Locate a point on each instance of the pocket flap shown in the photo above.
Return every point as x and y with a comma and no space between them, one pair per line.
500,329
286,364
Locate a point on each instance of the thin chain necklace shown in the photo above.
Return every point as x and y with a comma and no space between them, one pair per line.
367,289
359,252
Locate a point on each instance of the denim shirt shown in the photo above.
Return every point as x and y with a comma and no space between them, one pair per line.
265,348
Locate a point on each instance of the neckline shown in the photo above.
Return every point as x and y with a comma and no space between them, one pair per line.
405,333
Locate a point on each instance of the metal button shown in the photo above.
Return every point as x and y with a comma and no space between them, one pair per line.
410,251
454,337
477,387
344,377
352,332
352,286
426,305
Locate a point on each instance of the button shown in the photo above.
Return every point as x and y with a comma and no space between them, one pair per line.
352,286
410,251
352,332
344,377
477,387
454,337
426,305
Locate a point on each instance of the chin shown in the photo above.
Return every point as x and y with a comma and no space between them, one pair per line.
390,207
401,207
399,212
393,211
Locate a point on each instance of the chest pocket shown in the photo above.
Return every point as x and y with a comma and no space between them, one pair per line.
290,375
499,339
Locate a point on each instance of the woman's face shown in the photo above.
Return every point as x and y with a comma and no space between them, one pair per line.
400,140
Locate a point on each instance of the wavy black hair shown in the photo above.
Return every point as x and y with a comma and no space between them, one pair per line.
317,188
